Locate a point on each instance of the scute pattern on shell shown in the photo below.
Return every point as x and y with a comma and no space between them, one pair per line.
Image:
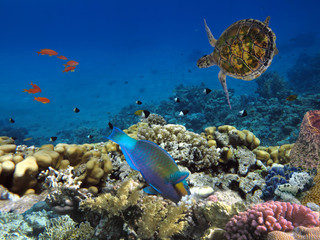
245,49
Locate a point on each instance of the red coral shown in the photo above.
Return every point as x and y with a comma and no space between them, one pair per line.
305,151
270,216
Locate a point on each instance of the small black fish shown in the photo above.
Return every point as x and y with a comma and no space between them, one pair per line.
207,91
138,102
52,139
11,120
76,110
177,99
90,136
110,125
243,113
189,70
183,112
126,82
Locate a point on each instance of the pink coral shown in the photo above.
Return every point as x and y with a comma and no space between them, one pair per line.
305,151
270,216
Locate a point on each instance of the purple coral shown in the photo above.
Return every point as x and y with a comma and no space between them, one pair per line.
270,216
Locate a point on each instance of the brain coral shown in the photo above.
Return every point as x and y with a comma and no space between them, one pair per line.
305,151
270,216
299,233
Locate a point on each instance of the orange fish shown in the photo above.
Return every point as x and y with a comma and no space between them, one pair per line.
67,69
35,86
71,63
32,90
47,52
62,57
42,99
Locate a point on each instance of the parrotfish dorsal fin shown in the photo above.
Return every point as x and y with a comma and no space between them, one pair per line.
178,177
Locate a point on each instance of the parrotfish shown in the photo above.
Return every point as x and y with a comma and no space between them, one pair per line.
156,166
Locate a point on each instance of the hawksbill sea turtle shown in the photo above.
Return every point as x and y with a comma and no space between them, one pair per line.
244,50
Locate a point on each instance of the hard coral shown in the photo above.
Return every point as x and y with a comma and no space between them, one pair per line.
299,233
260,219
305,151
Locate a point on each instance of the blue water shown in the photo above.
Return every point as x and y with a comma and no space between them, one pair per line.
151,45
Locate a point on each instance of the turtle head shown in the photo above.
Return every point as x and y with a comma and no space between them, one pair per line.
206,61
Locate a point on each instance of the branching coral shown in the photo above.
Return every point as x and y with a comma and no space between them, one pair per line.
166,219
127,195
65,228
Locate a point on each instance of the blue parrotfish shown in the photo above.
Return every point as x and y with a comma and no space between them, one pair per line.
156,166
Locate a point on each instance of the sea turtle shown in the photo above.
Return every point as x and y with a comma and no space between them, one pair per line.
244,51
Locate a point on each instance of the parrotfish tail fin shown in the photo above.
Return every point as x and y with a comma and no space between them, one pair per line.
222,78
25,90
31,83
38,53
66,65
178,177
126,143
150,190
34,98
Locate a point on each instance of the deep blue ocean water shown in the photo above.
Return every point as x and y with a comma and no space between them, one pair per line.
151,45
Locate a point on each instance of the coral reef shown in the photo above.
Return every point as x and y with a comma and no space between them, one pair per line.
272,85
285,182
305,151
313,195
65,228
306,67
299,233
270,216
19,165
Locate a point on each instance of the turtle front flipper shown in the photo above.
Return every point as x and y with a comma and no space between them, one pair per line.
212,40
206,61
222,78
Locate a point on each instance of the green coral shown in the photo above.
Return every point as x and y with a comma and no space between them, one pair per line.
13,226
65,228
127,195
159,216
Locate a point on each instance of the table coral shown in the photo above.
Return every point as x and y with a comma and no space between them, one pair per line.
305,151
270,216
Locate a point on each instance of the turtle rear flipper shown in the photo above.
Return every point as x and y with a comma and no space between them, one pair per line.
212,40
222,78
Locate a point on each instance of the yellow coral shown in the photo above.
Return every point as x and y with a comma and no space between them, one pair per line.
127,195
313,194
159,216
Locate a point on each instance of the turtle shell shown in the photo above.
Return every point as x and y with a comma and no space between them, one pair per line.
245,49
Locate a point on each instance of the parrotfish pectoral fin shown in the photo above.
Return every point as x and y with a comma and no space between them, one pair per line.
150,190
222,78
178,177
